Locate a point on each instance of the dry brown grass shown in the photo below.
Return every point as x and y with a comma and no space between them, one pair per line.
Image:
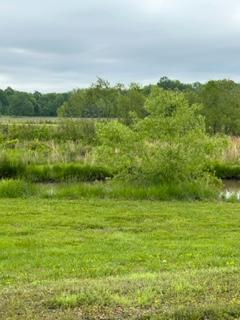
233,152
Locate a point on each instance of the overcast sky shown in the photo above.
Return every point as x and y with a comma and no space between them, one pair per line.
58,45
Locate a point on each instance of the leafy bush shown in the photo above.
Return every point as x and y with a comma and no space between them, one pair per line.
74,130
169,146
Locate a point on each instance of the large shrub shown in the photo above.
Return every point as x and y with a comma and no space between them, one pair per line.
169,145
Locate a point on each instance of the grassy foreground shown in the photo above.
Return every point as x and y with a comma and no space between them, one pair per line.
105,259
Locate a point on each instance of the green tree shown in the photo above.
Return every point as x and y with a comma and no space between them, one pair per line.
168,84
99,101
74,106
131,101
104,101
3,103
221,100
20,104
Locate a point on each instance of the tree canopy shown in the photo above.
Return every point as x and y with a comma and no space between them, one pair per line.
220,102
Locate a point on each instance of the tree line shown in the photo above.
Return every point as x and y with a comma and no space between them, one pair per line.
17,103
219,100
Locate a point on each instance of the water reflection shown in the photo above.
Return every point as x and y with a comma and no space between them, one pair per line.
231,189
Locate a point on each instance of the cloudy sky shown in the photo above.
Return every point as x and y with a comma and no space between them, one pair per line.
57,45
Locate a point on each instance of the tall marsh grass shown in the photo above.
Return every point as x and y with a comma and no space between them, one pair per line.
64,130
11,167
113,190
232,154
227,170
66,172
11,188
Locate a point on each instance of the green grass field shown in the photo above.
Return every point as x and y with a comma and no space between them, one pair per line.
105,259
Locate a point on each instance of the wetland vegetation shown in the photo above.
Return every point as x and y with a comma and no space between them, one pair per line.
120,211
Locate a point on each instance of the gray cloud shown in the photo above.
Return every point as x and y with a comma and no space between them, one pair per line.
60,45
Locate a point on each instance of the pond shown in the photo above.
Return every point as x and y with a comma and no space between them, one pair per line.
231,189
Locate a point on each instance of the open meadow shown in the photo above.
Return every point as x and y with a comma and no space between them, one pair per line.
104,259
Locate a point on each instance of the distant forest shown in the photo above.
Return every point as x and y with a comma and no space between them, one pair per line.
219,100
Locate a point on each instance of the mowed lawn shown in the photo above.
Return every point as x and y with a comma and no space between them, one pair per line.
102,259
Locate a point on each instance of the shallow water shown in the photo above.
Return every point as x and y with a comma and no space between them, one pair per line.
231,189
232,185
